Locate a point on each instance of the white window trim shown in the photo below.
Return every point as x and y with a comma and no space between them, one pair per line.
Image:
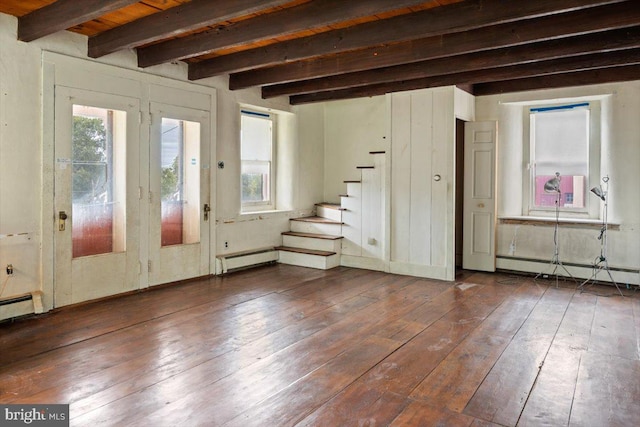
270,205
592,207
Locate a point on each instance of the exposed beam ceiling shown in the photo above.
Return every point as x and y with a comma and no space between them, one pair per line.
482,39
313,14
524,54
174,21
320,50
456,18
64,14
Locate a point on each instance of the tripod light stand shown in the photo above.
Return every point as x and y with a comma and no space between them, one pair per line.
600,263
553,186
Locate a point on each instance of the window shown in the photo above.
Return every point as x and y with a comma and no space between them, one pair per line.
257,165
563,146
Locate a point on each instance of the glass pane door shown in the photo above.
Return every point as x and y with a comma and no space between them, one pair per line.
180,182
98,180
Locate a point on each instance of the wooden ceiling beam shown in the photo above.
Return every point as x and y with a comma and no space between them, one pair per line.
581,78
171,22
64,14
457,17
499,36
577,47
494,82
314,14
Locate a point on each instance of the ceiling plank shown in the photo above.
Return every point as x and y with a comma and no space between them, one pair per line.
457,17
576,47
64,14
566,79
171,22
505,35
314,14
581,78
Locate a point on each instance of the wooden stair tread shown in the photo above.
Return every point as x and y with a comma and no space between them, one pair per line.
311,235
377,152
352,182
365,167
304,251
316,219
335,206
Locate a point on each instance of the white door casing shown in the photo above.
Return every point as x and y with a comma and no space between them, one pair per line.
480,150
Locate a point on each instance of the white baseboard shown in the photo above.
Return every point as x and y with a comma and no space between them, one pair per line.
579,272
364,263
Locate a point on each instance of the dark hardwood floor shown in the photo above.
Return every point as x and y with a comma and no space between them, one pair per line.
282,345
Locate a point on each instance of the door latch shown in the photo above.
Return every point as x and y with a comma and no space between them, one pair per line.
62,220
207,209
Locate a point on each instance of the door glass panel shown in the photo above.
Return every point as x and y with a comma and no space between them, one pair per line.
98,180
180,182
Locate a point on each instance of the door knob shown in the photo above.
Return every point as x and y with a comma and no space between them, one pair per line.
62,220
437,177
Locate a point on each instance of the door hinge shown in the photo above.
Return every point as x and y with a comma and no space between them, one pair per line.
149,266
150,197
139,193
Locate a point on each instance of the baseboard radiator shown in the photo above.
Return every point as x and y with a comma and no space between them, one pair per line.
242,260
21,305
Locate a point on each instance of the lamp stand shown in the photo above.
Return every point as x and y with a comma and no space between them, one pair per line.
601,263
555,260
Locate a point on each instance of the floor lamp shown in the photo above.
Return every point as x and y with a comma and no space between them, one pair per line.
601,263
553,186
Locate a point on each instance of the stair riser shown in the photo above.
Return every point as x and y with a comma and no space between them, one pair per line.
333,214
311,261
317,228
312,243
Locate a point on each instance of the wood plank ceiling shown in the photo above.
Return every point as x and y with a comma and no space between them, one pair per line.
321,50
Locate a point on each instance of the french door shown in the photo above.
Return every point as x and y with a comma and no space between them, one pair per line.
96,199
131,207
179,214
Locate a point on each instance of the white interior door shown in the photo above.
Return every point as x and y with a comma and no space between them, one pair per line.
479,251
179,193
96,195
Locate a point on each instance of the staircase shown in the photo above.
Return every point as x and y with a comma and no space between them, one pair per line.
351,229
314,241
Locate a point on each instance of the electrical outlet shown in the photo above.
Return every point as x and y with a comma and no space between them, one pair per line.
226,245
9,269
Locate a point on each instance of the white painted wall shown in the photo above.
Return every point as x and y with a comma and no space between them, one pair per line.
21,168
620,160
352,129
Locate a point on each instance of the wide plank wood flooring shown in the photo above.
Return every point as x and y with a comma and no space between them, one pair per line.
290,346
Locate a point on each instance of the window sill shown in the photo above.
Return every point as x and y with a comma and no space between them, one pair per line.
259,213
549,221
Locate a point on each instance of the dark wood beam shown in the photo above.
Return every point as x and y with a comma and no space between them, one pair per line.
568,66
457,17
543,51
314,14
505,35
581,78
64,14
171,22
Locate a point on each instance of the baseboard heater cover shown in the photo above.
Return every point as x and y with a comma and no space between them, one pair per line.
13,307
239,261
